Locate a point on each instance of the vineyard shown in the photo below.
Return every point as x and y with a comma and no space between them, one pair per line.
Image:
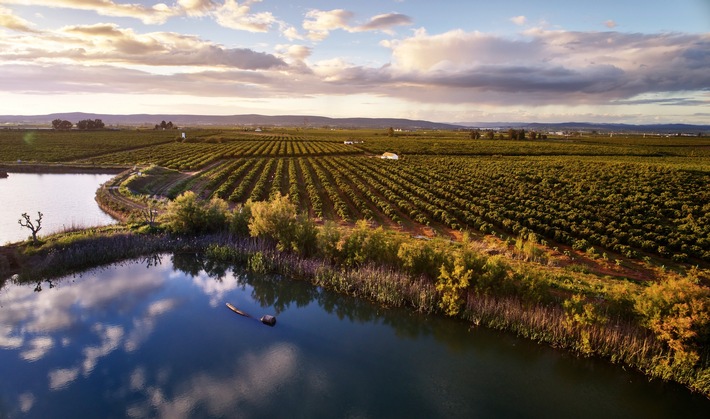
192,155
631,197
64,146
629,209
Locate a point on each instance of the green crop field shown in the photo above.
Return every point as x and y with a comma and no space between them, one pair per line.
67,146
628,195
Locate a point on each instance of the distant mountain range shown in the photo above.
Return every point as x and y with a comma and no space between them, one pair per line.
322,121
227,120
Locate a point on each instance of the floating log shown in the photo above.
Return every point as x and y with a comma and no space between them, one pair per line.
236,310
267,319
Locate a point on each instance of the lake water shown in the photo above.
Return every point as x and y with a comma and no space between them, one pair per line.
66,200
153,338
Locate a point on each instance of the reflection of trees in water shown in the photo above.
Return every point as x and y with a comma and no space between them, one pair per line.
149,261
192,263
280,293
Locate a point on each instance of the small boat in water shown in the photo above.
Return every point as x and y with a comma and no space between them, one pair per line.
3,175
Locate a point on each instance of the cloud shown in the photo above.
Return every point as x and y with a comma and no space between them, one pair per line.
384,22
197,7
156,14
7,341
610,24
244,387
230,14
143,327
550,66
38,348
538,67
237,16
15,23
319,23
295,52
108,43
26,401
519,20
665,101
111,337
60,378
290,32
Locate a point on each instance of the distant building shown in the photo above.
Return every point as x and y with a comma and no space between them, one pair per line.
348,142
389,156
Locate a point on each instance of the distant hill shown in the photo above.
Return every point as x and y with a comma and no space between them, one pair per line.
322,121
226,120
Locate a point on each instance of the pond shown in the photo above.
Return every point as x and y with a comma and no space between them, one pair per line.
153,338
66,200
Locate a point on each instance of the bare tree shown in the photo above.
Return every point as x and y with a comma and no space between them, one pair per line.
150,214
29,224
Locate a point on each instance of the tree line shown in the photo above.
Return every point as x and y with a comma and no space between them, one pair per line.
165,125
84,124
512,134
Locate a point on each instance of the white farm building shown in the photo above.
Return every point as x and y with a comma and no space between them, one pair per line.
389,156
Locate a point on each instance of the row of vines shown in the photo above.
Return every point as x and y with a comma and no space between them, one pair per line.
631,209
192,156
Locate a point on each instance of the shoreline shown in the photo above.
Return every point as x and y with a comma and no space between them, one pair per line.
617,340
60,168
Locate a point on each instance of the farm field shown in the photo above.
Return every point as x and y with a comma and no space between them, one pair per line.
578,242
630,197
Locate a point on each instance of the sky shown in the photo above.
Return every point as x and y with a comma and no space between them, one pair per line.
614,61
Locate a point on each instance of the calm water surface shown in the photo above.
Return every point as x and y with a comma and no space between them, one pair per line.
66,200
153,338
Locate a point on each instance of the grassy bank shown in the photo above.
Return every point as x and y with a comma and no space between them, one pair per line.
661,328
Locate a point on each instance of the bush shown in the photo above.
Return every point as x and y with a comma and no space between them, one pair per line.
367,245
241,216
187,214
452,284
328,238
421,257
278,220
677,310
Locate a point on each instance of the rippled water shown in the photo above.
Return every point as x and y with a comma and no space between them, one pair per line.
153,338
66,200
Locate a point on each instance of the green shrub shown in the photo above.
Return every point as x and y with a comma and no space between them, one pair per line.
365,244
240,218
328,238
188,214
421,257
278,220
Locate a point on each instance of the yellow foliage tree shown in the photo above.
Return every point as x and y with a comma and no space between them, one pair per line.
677,310
452,285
